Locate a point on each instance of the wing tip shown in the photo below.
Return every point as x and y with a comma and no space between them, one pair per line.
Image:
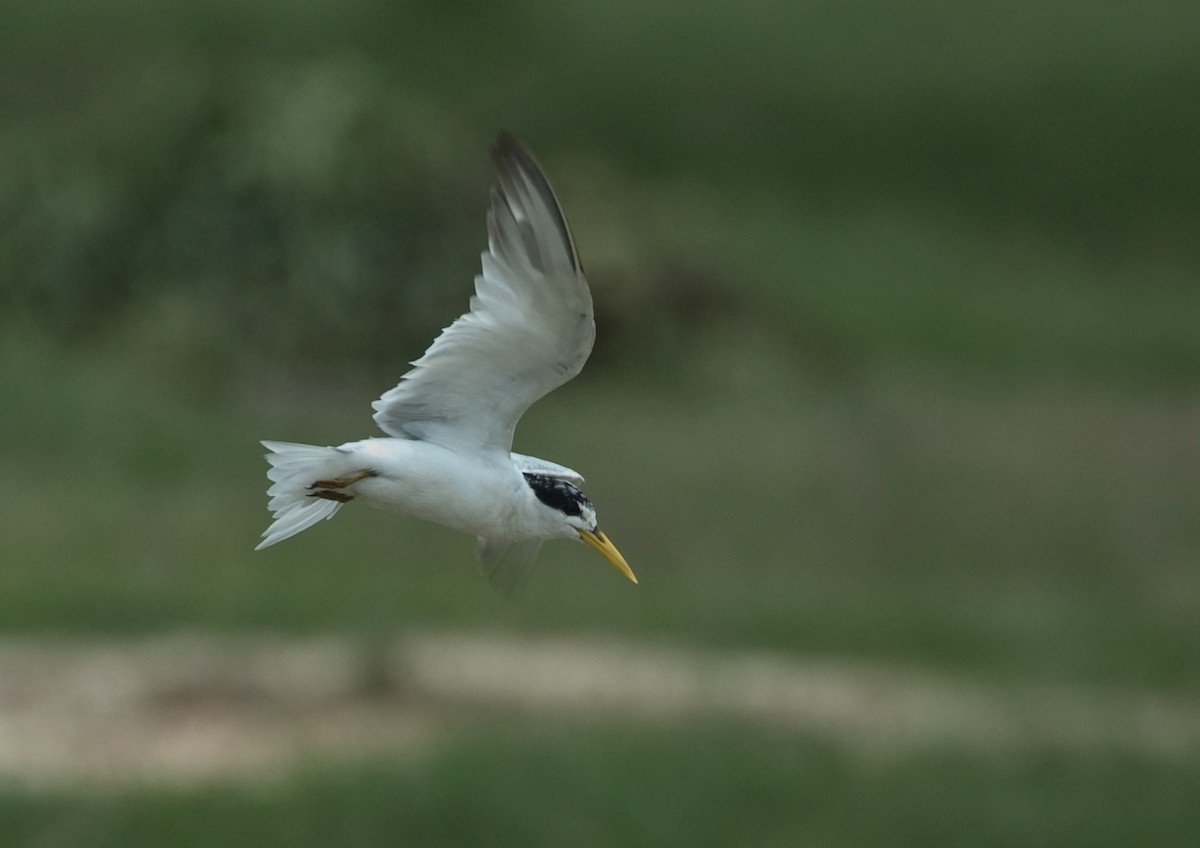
506,148
510,155
512,158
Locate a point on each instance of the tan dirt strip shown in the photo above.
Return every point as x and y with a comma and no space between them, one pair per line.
203,707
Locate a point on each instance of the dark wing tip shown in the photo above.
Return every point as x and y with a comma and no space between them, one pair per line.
510,154
511,157
506,145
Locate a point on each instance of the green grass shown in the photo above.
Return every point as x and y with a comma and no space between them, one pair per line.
1021,534
1065,118
964,187
573,784
897,361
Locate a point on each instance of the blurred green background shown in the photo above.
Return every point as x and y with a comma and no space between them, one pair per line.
899,341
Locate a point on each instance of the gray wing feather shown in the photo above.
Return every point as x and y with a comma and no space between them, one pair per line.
530,327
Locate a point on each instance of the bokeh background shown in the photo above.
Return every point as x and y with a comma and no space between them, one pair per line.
894,410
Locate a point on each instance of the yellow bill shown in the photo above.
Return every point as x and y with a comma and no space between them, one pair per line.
599,542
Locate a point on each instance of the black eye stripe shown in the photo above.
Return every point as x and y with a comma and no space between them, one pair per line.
558,494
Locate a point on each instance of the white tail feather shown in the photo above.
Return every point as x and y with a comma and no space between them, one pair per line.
293,469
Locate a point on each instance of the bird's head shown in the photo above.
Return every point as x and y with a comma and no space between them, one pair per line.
577,515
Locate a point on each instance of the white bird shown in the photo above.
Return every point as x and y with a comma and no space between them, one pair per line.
449,422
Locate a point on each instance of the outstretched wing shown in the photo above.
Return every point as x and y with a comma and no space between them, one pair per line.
529,330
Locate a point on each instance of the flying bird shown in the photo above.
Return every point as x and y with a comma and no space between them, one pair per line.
447,453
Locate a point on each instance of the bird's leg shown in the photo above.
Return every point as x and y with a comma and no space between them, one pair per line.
327,489
343,482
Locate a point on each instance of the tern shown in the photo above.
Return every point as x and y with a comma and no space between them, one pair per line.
447,453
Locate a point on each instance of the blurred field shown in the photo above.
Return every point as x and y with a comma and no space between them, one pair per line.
897,364
609,785
1021,532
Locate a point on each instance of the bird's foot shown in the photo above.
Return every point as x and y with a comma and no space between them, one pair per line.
343,482
329,489
331,495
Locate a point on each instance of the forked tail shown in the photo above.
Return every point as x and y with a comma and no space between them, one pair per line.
293,469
